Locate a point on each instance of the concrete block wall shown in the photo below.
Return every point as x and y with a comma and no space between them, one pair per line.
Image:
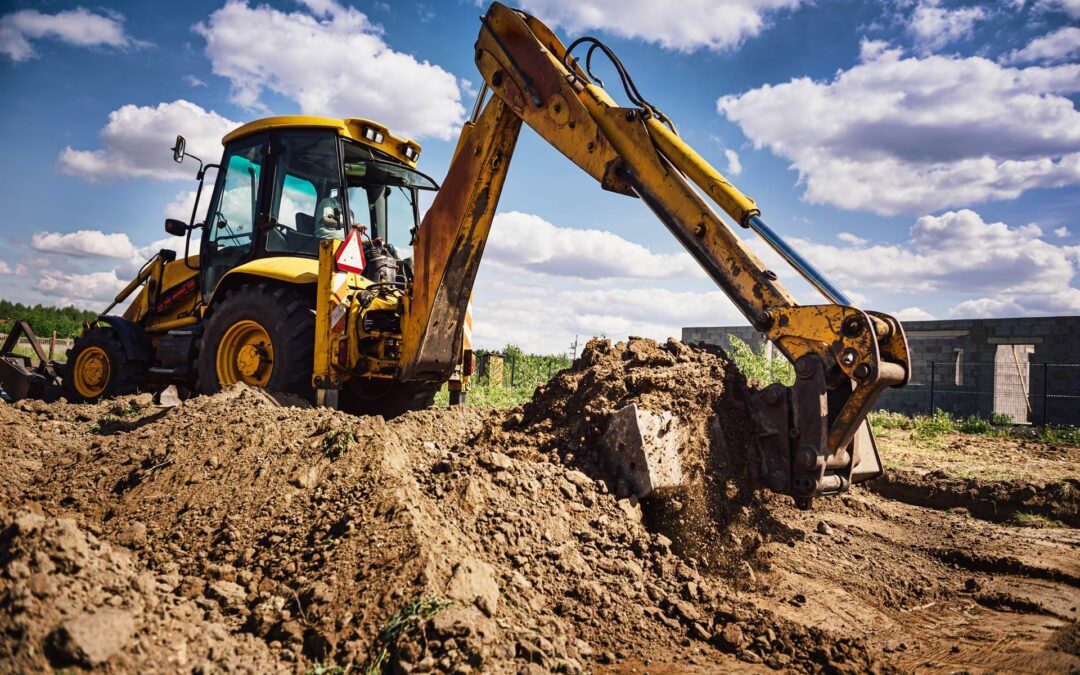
1054,369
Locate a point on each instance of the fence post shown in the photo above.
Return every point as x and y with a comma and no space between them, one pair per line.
932,364
52,345
1046,384
513,371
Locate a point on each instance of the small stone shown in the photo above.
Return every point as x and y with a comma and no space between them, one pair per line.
579,479
568,489
495,461
824,528
231,596
733,637
90,639
747,571
306,477
134,536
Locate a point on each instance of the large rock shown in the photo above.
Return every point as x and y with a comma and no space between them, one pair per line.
90,639
643,448
473,581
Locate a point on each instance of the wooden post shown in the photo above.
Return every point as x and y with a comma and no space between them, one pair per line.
52,345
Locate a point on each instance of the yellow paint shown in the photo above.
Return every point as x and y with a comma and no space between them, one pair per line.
293,270
350,127
245,354
737,205
322,375
91,372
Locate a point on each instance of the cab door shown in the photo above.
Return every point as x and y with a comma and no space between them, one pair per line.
230,235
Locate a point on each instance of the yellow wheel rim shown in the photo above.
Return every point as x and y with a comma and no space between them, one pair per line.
245,354
91,373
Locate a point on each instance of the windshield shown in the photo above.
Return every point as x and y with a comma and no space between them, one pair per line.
382,197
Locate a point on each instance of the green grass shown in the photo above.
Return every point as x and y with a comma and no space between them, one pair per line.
335,443
930,428
1032,520
418,610
115,418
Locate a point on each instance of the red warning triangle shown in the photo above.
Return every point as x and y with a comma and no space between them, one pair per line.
350,255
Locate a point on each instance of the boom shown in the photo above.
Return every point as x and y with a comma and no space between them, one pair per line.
814,439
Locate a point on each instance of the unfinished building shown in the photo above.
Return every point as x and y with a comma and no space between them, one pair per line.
1027,368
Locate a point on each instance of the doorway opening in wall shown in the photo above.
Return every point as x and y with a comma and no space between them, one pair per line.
1012,382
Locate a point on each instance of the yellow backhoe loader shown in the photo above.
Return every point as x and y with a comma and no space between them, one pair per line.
376,323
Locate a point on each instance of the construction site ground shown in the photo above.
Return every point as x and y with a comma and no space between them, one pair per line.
248,532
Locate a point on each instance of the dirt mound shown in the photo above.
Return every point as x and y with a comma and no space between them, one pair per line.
69,599
318,531
488,541
719,518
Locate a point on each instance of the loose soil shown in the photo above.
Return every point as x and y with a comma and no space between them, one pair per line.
247,532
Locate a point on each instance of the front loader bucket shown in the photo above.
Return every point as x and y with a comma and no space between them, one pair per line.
19,378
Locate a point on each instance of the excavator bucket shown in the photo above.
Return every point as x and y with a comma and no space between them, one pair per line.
19,377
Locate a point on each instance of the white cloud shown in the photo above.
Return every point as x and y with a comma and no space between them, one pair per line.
913,314
850,238
689,25
332,61
78,27
95,286
5,268
180,207
84,243
1060,45
1070,7
1062,231
599,280
137,140
194,81
995,267
734,165
525,243
895,135
508,311
934,26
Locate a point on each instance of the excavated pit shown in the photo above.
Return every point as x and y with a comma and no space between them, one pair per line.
288,536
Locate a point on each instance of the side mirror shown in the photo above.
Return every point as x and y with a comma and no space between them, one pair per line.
176,228
178,149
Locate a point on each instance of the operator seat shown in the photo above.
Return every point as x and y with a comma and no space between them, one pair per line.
305,224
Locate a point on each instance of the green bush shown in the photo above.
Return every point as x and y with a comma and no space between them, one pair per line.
757,367
973,424
1001,419
522,374
884,419
933,426
940,423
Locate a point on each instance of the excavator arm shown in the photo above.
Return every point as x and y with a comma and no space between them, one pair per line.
814,439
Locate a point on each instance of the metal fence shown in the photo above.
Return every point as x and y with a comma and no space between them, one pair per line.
1026,392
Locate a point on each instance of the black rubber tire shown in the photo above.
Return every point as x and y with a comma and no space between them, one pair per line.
126,374
387,398
288,317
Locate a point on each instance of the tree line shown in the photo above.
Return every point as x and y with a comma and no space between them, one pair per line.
66,321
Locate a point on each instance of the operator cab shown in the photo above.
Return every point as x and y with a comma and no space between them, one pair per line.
285,183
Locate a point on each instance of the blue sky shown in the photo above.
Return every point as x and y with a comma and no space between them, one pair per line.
925,155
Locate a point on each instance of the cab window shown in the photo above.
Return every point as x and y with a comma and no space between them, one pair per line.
382,197
230,221
307,186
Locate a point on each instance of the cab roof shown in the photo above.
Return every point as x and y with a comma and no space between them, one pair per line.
365,132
